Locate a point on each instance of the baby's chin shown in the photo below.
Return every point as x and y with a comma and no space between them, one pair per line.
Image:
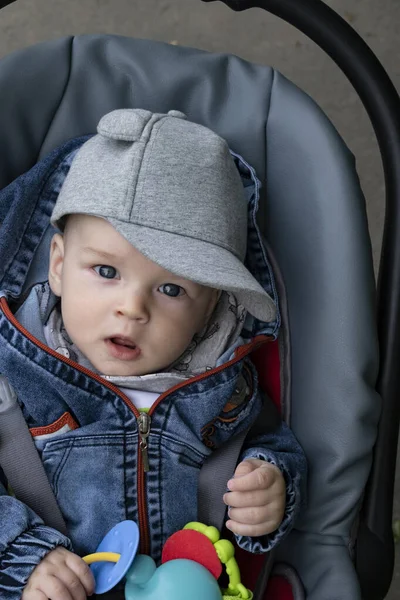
113,370
125,372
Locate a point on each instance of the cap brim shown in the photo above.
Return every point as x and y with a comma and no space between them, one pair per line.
201,262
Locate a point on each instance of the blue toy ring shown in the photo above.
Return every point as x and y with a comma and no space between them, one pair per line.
124,540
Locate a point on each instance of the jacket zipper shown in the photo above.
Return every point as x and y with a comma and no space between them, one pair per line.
144,422
143,419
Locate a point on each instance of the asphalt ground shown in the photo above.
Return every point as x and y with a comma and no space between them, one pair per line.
256,36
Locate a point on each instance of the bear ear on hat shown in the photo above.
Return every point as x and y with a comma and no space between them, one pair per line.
192,545
124,124
177,113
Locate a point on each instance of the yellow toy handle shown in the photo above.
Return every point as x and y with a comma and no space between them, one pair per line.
101,557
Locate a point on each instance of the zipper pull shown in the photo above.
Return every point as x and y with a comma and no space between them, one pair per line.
144,422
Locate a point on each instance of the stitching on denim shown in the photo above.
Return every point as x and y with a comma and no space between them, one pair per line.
160,495
80,442
182,445
60,467
124,474
166,419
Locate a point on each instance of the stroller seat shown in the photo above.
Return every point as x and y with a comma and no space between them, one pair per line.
312,215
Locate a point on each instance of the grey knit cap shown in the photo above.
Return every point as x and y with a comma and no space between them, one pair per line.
172,189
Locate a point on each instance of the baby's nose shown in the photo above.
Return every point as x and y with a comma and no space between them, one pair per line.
135,306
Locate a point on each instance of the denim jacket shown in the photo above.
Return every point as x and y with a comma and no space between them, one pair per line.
86,430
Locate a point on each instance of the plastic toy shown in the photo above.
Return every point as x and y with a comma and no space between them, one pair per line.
114,555
192,562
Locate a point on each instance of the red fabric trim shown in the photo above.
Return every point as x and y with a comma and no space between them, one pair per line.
267,362
250,565
65,419
279,589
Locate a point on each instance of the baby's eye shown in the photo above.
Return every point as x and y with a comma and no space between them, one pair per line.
171,289
106,271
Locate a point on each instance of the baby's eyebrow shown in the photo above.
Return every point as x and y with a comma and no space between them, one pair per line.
101,253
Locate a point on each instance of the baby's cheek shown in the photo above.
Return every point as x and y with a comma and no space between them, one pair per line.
79,321
166,345
177,329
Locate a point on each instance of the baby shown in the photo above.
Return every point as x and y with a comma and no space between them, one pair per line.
155,301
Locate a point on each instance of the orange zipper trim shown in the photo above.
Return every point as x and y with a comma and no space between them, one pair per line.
240,353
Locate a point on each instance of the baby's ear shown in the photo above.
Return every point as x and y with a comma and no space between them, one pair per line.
56,263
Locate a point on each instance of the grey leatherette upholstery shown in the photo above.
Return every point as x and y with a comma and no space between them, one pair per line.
313,216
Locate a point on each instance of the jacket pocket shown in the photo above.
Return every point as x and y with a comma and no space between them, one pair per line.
88,477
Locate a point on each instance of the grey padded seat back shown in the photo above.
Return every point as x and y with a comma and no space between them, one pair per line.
313,216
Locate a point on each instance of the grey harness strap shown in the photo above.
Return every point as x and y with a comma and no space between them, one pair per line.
214,475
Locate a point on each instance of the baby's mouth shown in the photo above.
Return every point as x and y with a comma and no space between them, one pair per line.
123,342
122,348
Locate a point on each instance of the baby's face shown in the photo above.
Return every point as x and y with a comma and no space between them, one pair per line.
128,315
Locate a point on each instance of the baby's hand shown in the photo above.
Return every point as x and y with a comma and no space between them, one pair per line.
61,575
257,498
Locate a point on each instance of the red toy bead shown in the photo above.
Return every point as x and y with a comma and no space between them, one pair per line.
192,545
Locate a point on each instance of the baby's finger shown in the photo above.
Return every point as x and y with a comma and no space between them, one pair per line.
259,479
54,589
250,515
242,499
249,530
83,574
32,594
245,467
72,583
